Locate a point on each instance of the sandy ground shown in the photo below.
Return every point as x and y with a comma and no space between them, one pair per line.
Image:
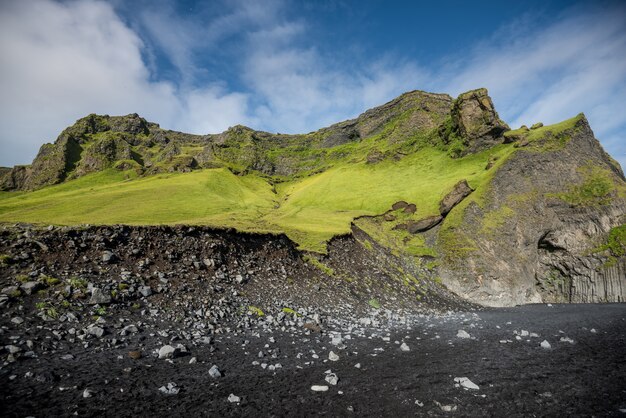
582,374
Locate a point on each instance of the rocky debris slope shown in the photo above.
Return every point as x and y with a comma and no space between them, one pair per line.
202,274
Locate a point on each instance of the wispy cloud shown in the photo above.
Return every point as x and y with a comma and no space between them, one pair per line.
63,60
576,64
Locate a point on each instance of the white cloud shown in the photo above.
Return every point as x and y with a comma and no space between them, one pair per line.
61,61
303,90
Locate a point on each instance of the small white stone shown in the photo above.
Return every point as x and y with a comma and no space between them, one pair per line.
545,344
87,393
332,356
463,334
404,347
567,340
233,398
332,379
358,365
167,351
319,388
466,383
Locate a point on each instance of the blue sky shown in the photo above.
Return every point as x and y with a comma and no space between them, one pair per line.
296,66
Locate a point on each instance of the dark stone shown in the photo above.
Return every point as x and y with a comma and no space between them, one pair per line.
424,224
399,205
459,192
411,208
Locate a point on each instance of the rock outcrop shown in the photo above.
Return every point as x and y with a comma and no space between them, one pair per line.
532,235
96,143
476,119
459,192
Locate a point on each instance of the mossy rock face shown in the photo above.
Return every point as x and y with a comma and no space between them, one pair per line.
542,211
109,148
475,119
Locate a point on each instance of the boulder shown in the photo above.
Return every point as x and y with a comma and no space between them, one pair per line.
99,297
31,287
399,205
423,224
459,192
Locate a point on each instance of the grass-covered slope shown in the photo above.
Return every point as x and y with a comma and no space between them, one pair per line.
310,210
416,148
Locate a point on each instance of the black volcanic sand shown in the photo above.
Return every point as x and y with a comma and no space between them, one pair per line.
515,378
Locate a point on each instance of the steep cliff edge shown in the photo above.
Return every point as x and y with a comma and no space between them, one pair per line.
536,232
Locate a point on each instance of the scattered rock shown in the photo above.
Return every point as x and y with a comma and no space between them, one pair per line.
466,383
95,331
88,393
107,256
463,334
404,347
145,291
99,297
171,389
545,344
446,408
11,291
332,379
214,372
167,351
31,287
233,399
12,349
332,356
374,157
135,354
319,388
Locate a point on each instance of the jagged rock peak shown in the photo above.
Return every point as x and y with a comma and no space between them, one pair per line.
92,124
474,118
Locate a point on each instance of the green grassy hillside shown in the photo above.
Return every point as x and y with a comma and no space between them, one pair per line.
125,170
310,210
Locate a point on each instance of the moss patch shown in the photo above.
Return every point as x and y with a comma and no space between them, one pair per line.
596,189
